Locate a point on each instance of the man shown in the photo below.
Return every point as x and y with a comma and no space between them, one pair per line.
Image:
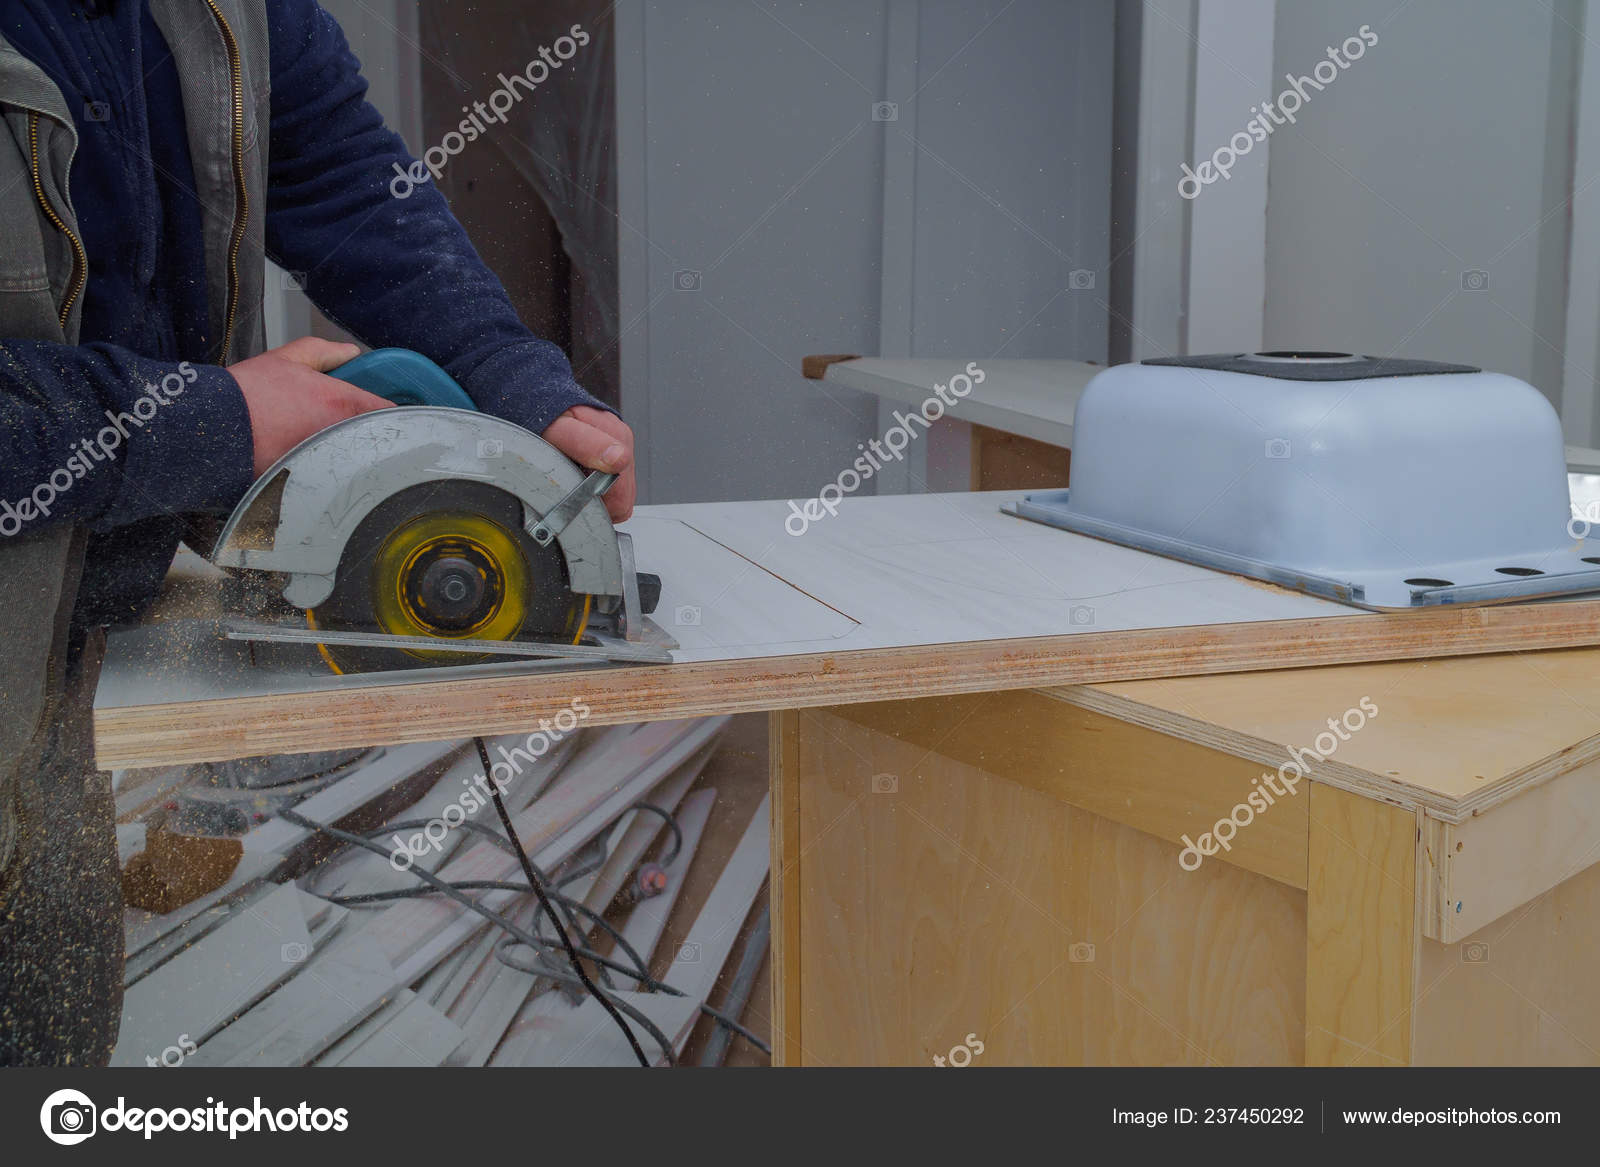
152,153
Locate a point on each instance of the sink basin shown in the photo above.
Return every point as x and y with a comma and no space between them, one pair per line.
1383,483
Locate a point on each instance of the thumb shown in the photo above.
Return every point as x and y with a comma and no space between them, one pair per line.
318,354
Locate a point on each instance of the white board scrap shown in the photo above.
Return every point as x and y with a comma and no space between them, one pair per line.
338,987
203,988
418,1035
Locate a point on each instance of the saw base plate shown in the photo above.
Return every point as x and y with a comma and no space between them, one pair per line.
653,646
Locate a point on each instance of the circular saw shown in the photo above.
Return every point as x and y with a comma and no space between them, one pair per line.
432,534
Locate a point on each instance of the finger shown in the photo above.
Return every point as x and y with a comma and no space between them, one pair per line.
620,498
318,354
588,445
603,419
348,401
616,427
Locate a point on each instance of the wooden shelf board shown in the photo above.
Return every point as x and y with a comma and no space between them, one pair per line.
1454,736
1031,398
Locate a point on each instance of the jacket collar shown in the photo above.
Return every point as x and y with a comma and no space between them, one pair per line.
24,84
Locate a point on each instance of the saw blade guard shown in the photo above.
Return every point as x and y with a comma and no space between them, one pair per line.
297,518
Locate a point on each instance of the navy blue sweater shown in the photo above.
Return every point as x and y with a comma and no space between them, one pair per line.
391,271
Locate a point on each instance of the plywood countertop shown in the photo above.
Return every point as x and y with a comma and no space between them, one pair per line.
892,597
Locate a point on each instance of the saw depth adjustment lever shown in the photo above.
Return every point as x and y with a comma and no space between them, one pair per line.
560,516
544,532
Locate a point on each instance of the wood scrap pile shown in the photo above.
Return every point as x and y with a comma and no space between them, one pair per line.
297,943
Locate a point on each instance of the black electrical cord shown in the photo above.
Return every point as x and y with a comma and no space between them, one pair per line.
644,979
549,910
578,873
671,820
572,908
511,845
488,914
379,897
724,1019
605,967
638,972
494,837
499,841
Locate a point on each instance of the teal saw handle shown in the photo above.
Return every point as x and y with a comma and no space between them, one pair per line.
405,378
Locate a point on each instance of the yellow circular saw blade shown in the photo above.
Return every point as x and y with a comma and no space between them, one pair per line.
399,608
492,550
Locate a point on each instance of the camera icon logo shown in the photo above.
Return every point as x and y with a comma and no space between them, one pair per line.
96,111
1278,448
1081,953
294,952
1081,615
68,1117
1080,279
686,616
1475,280
491,448
686,280
1476,952
885,111
885,784
689,954
292,281
1583,520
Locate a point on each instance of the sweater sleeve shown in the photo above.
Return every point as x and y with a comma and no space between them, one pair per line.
97,435
380,253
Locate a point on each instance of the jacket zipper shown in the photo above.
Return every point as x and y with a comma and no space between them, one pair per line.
80,261
241,198
80,276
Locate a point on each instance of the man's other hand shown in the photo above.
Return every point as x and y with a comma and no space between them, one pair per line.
597,440
290,397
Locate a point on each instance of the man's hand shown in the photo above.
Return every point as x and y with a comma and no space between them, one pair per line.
597,440
290,398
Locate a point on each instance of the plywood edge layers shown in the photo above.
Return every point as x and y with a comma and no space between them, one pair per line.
172,734
1491,864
